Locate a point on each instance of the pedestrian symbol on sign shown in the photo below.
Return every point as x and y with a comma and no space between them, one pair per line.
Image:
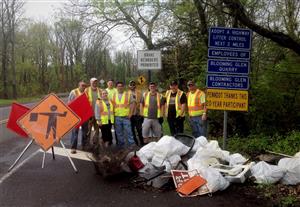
49,121
141,80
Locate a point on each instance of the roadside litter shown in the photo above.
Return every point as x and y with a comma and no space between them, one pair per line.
198,166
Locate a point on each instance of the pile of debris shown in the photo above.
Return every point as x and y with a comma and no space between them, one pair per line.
197,166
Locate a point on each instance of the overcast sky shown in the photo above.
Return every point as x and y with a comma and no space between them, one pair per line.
44,10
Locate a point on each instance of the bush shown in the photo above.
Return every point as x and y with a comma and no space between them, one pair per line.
256,144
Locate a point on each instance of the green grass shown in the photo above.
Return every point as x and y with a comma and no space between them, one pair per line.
7,102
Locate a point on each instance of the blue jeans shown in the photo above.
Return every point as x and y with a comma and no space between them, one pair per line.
198,126
74,137
122,127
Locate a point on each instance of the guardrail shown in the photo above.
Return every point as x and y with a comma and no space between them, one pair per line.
60,95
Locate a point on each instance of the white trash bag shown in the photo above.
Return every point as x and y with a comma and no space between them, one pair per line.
236,159
297,155
199,142
147,151
215,181
169,146
292,167
266,173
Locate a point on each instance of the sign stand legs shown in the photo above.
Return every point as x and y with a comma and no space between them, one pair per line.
22,153
75,169
44,155
225,129
53,155
43,162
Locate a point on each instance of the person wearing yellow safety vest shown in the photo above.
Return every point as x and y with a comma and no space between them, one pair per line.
152,108
84,127
93,93
104,114
197,110
175,108
110,88
123,108
136,119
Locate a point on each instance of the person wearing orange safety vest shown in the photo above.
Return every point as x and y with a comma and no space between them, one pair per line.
175,108
75,93
93,93
136,119
124,105
104,114
152,108
197,110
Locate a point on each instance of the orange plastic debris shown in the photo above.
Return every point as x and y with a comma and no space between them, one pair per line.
191,185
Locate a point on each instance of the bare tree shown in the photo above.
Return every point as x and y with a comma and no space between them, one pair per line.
285,40
141,18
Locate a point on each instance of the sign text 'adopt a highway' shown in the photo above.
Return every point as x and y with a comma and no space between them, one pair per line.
234,38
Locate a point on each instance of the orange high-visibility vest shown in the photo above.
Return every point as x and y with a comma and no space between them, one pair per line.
104,112
147,102
195,107
122,107
177,102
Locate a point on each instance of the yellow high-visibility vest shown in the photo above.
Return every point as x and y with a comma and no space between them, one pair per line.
111,92
77,92
89,94
147,102
195,107
104,111
122,107
177,102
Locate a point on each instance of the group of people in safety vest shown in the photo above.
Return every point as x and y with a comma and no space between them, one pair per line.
137,116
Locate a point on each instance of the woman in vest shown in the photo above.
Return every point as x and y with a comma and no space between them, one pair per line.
104,114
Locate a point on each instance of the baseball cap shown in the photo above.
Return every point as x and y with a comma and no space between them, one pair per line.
190,82
132,83
174,82
93,79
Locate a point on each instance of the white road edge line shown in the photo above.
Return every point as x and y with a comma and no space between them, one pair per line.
7,175
81,155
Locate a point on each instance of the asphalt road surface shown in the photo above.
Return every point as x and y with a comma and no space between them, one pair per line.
58,185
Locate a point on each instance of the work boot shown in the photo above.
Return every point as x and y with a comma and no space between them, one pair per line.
73,151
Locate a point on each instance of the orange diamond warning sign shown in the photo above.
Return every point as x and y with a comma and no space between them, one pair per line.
49,121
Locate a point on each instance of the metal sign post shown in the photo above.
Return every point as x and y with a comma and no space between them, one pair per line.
225,129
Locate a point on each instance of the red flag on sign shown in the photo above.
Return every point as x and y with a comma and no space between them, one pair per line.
81,106
17,111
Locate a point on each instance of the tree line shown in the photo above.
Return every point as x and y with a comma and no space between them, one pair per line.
40,57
